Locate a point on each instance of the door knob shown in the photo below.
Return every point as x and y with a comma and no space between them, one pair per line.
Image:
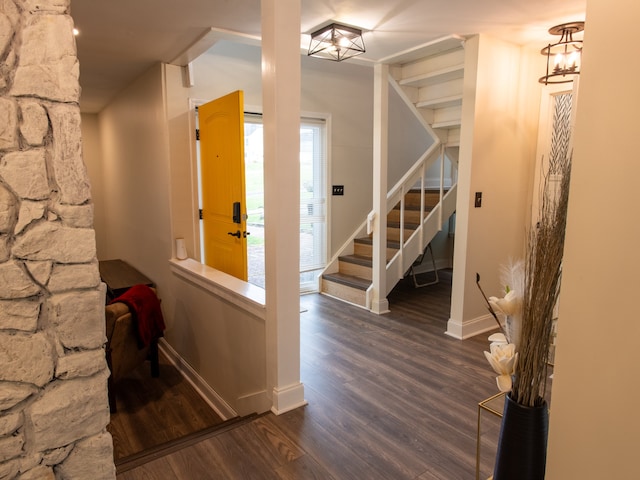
236,234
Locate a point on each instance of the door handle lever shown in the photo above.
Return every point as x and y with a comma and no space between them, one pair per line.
236,234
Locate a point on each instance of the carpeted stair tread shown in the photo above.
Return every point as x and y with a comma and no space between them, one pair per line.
427,190
357,260
369,241
415,208
407,226
348,280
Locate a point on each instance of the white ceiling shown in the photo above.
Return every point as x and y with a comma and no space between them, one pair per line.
120,39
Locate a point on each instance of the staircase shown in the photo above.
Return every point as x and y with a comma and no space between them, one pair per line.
353,278
429,80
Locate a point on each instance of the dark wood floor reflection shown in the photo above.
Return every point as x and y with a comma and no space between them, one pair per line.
154,411
390,397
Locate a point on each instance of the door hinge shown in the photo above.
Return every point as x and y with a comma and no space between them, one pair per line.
197,134
200,214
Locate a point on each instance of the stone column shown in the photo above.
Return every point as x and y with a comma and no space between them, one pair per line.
53,374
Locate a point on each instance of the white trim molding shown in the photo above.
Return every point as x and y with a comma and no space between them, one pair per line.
470,328
209,395
242,294
288,398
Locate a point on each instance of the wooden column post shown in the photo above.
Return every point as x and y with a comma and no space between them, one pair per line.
281,118
379,302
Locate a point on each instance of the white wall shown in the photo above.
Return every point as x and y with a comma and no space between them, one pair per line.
595,414
407,140
346,91
225,345
497,155
92,155
135,169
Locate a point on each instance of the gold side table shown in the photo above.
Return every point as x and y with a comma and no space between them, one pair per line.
494,405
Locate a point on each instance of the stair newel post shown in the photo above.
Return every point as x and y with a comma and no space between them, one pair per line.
423,186
442,150
402,217
379,302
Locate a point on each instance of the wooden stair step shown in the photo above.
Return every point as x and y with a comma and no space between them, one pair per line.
426,190
369,241
411,215
356,259
407,225
364,246
347,280
393,232
356,265
414,208
431,198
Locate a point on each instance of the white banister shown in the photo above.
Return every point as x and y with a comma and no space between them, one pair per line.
441,185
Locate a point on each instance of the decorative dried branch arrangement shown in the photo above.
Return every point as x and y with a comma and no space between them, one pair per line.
543,270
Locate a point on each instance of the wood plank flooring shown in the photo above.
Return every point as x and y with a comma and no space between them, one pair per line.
153,411
390,397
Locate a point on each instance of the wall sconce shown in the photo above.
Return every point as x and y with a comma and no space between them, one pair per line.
563,58
336,42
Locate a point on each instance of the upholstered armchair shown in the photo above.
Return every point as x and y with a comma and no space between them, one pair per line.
124,350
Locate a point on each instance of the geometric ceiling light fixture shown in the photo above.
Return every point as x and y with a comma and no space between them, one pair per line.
336,42
564,57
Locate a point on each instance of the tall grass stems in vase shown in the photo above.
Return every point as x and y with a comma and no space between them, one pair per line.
543,270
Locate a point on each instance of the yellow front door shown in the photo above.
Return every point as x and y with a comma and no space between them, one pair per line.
221,125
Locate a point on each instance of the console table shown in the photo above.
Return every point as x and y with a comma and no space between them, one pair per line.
493,405
119,277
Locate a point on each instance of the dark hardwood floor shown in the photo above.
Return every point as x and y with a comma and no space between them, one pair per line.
154,411
390,397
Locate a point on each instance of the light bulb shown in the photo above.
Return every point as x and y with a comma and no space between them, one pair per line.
558,60
573,60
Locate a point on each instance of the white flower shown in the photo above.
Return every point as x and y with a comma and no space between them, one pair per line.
498,338
502,359
509,305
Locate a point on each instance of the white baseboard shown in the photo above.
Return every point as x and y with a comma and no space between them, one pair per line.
288,398
257,402
380,307
470,328
209,395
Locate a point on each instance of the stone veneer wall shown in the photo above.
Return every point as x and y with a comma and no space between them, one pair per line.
53,375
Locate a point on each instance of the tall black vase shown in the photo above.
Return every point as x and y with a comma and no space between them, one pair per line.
522,445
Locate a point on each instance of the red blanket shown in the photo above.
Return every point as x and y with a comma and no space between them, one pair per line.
146,312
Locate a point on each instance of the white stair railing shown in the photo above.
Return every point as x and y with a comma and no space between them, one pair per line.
412,247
